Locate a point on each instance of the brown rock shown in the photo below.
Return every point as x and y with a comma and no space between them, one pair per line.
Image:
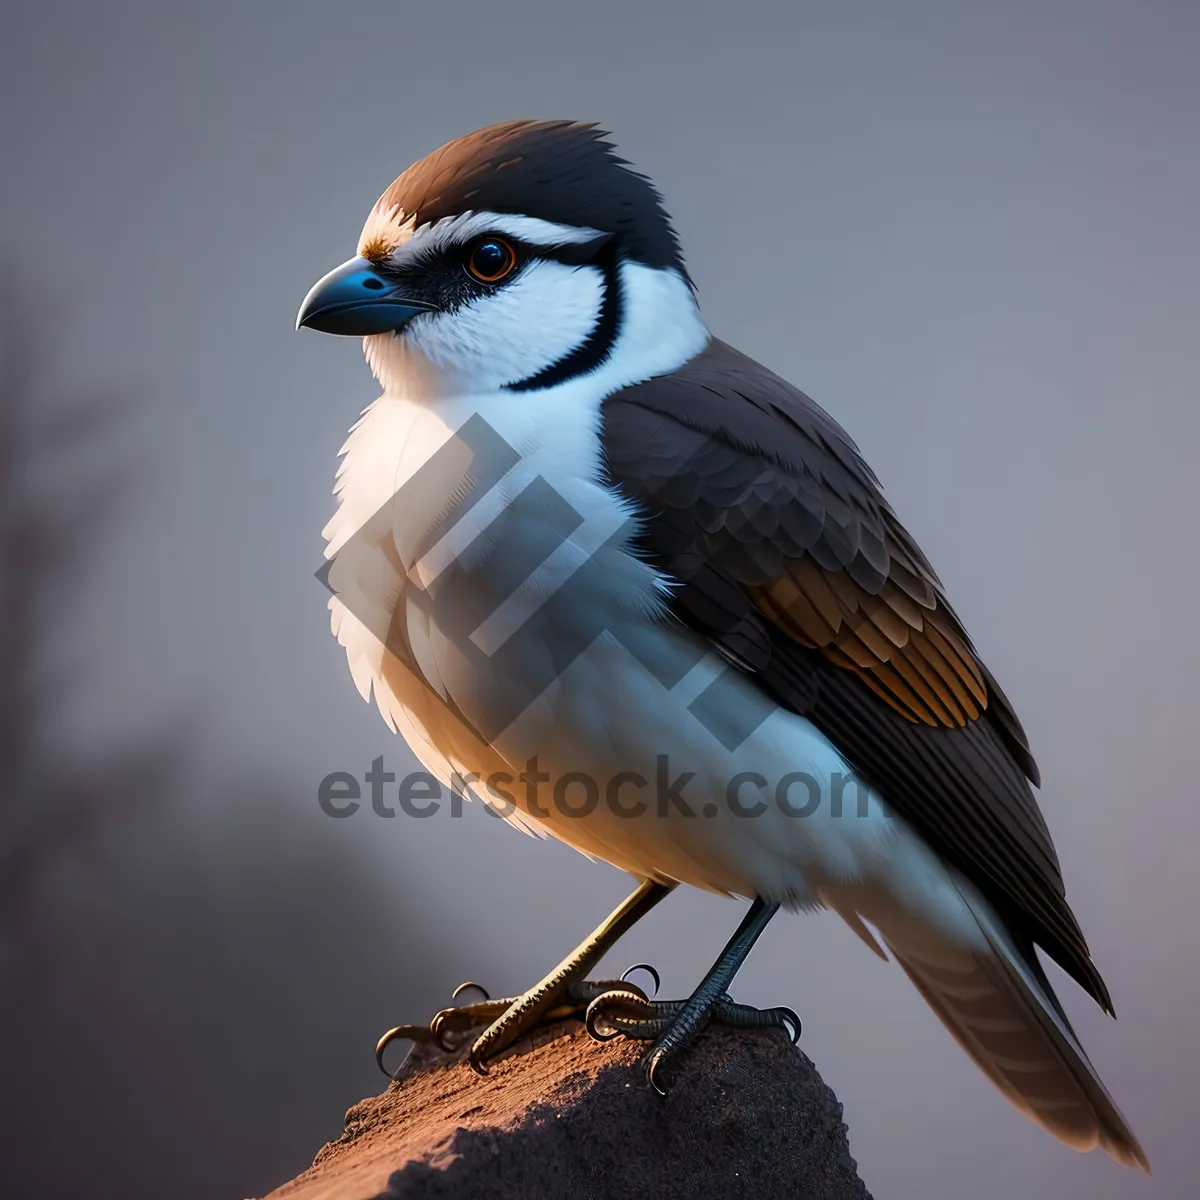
747,1116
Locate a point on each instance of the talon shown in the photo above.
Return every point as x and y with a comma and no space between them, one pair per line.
438,1029
654,1062
649,969
591,1022
412,1033
614,998
562,993
788,1017
466,986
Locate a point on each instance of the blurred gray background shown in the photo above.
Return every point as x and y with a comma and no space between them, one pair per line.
969,230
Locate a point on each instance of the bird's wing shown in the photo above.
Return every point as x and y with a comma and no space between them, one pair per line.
788,557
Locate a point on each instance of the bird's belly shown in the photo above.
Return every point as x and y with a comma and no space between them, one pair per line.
648,750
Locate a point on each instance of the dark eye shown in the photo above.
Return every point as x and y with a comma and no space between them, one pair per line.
491,259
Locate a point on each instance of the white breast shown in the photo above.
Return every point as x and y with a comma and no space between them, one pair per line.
553,432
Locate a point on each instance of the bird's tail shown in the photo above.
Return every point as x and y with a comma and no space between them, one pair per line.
1004,1015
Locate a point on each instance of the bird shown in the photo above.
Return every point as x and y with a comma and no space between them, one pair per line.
637,592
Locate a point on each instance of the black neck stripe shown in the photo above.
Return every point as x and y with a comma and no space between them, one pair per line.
598,344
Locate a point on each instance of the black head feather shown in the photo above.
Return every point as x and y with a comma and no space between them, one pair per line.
561,171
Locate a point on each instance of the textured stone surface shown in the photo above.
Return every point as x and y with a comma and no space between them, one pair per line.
747,1116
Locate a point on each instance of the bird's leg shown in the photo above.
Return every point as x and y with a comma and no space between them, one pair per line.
564,992
527,1010
675,1024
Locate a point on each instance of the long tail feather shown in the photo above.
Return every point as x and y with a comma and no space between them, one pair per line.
1005,1016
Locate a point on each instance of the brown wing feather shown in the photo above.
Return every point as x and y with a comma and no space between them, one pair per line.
789,557
801,523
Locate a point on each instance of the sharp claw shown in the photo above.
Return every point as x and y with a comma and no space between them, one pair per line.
438,1031
653,1065
649,970
466,986
591,1022
790,1017
477,1063
413,1033
615,997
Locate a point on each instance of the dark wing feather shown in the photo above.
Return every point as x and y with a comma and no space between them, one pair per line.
789,559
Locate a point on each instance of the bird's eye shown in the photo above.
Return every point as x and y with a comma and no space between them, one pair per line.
491,259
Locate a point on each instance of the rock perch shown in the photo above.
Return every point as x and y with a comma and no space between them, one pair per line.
747,1116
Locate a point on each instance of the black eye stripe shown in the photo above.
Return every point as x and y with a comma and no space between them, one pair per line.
438,273
570,254
431,258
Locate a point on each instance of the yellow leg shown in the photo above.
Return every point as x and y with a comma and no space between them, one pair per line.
527,1010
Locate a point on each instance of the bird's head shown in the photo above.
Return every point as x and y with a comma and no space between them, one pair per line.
497,261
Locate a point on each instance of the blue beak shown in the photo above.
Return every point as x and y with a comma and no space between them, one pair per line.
355,300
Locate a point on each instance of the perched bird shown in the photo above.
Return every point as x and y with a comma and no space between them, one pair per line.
639,593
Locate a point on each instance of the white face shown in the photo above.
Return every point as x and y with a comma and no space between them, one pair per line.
485,333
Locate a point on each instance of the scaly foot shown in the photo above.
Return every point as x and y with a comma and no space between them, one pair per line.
452,1027
673,1025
